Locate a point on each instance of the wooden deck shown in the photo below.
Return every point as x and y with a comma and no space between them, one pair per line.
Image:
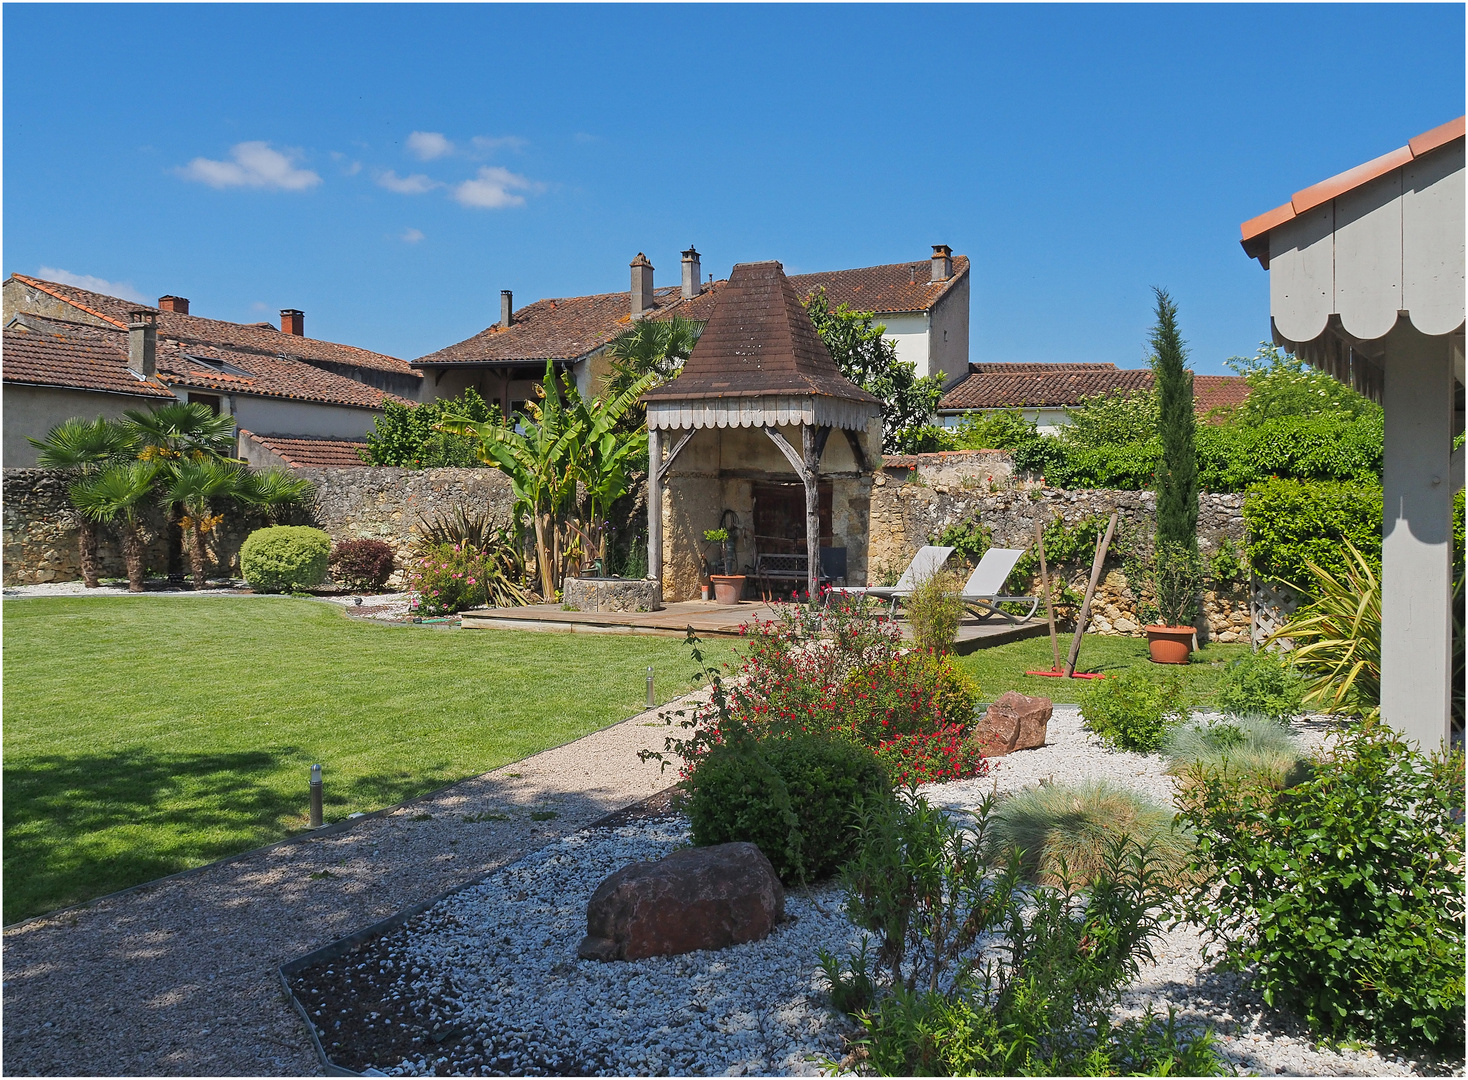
705,617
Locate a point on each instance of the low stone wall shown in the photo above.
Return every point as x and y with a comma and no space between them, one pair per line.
612,594
40,542
915,498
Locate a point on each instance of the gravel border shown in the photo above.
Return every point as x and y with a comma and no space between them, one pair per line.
180,976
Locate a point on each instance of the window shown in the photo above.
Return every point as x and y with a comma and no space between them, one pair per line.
212,400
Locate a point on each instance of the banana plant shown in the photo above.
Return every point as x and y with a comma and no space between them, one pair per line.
87,447
117,494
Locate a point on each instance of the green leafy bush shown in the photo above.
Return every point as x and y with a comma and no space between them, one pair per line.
1261,682
934,610
405,435
940,996
1293,523
284,558
795,797
1066,832
362,565
1133,710
1345,892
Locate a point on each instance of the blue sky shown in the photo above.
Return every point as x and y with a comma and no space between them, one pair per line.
259,157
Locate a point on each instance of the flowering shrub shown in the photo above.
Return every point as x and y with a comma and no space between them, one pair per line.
931,756
449,578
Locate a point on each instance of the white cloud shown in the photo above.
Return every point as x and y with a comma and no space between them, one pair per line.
486,144
493,189
255,164
93,284
427,145
411,236
417,184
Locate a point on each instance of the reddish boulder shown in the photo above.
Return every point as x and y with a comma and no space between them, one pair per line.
1014,722
697,898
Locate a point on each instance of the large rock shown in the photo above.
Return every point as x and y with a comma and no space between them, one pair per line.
1014,722
697,898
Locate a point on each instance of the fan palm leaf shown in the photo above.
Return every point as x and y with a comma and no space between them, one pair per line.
85,445
183,428
118,494
195,484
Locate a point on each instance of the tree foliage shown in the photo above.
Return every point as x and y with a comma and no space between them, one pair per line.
409,436
1284,385
1177,473
656,347
868,359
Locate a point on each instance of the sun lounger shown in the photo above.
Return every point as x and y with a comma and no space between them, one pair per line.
927,562
981,592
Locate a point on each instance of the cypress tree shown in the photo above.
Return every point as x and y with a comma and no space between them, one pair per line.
1177,476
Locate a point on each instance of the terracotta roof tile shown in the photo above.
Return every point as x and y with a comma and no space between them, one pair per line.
260,338
1254,233
759,340
889,289
303,452
41,356
1060,385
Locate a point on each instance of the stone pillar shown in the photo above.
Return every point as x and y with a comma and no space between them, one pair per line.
654,504
1417,529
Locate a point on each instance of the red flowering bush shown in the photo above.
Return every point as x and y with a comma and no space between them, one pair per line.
449,578
927,757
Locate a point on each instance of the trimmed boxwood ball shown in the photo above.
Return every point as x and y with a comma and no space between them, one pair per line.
796,798
284,558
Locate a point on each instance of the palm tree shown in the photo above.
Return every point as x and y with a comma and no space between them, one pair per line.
182,429
86,446
118,493
193,483
271,491
654,347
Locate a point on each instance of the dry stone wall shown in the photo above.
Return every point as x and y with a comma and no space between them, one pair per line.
40,531
915,498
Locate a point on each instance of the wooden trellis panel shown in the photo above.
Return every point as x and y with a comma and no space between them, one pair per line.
1270,607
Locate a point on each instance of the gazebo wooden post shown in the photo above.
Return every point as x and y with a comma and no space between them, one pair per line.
654,503
812,459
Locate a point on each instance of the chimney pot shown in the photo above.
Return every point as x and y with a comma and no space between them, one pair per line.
942,262
142,343
692,274
293,322
641,286
507,309
179,305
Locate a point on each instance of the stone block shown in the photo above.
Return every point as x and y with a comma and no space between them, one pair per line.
1014,722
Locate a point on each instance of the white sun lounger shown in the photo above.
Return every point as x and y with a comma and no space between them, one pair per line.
981,592
927,562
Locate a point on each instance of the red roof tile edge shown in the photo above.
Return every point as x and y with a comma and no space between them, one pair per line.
1308,198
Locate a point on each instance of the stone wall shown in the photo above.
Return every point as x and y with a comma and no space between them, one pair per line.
385,504
915,498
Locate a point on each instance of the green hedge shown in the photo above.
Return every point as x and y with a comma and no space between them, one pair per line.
1292,522
285,558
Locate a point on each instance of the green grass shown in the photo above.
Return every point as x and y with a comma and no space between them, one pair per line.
146,736
1003,667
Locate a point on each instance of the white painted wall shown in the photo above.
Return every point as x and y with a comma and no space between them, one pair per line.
909,332
34,410
1047,421
948,345
273,416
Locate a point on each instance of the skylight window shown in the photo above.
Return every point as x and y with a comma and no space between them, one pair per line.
221,366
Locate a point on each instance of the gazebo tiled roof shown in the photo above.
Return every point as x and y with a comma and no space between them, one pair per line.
758,362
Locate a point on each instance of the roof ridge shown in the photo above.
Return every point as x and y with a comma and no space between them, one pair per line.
36,283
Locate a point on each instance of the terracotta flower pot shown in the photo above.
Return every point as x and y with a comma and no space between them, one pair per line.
1169,644
728,588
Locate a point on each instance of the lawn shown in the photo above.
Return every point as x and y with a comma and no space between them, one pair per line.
145,736
1003,667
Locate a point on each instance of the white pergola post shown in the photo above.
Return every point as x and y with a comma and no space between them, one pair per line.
1417,532
654,503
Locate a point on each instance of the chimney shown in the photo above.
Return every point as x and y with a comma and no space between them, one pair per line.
641,286
507,309
692,274
942,262
142,343
179,305
293,322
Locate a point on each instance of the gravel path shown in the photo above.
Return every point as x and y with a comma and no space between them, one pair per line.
179,976
487,981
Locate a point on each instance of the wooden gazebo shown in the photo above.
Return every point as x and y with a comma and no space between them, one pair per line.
760,380
1366,282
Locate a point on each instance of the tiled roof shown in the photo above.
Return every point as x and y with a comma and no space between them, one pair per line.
566,328
1060,385
1255,232
302,452
260,338
758,340
41,356
893,288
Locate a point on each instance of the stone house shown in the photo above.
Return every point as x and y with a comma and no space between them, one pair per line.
71,352
924,305
1045,393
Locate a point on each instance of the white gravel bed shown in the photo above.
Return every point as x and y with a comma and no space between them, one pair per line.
508,949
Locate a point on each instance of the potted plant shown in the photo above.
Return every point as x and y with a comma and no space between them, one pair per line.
728,586
1173,576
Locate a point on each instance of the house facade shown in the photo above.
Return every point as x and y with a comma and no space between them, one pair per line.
71,352
924,305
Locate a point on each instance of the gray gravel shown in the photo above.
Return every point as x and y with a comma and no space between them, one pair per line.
508,946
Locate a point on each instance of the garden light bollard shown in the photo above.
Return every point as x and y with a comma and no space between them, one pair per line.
315,796
651,701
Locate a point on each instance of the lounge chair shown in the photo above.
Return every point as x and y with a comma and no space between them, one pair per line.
981,592
927,562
